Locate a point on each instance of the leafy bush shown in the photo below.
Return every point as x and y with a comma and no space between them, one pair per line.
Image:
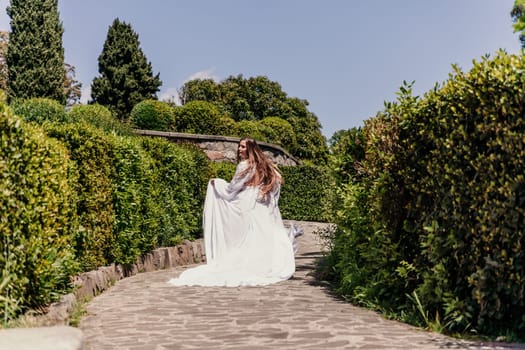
98,116
36,217
253,129
91,150
152,115
307,193
181,175
135,226
434,228
226,127
466,148
283,133
223,170
39,110
198,117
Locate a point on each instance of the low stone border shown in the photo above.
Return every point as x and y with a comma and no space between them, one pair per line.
89,284
50,331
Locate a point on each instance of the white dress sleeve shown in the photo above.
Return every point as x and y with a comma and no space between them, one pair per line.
229,190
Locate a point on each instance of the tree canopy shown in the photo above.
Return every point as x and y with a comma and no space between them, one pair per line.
257,98
126,77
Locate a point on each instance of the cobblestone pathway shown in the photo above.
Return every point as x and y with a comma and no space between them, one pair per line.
144,313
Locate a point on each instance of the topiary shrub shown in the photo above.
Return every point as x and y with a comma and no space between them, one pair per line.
253,129
37,217
39,110
135,201
198,117
152,115
282,132
227,126
100,117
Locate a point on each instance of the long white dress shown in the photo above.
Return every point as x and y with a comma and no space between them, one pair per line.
245,240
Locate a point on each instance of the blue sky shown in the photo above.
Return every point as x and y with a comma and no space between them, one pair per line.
346,57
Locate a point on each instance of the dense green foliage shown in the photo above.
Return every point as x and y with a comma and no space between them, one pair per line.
37,218
126,77
35,59
281,132
39,110
76,197
152,115
307,192
347,150
92,152
435,225
180,175
98,116
255,99
134,193
198,117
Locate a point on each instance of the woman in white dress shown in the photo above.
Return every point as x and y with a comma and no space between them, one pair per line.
245,240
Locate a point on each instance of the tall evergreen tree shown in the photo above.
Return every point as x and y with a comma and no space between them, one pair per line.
35,57
126,77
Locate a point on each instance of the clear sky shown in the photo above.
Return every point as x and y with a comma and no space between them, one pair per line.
345,57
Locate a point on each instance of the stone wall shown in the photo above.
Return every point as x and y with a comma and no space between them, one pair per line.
223,148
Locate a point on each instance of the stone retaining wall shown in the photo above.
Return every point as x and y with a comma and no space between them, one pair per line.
223,148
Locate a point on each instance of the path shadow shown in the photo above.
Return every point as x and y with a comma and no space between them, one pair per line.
319,275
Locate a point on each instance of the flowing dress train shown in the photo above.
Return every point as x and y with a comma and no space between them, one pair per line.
245,240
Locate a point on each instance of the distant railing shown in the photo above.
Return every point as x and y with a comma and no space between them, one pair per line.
223,148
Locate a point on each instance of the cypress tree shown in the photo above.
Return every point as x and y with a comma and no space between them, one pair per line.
126,77
35,56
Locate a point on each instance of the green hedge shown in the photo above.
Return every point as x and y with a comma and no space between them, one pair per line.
36,217
433,229
307,193
98,116
180,175
152,115
198,117
39,110
92,152
134,193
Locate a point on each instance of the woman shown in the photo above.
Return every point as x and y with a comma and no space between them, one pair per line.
244,237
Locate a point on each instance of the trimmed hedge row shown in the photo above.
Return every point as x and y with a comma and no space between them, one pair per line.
79,193
307,193
37,216
434,227
74,198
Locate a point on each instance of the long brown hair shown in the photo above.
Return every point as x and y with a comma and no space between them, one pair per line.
266,173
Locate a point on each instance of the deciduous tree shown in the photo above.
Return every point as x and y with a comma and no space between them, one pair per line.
257,98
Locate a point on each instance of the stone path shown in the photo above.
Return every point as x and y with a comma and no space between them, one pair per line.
144,313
